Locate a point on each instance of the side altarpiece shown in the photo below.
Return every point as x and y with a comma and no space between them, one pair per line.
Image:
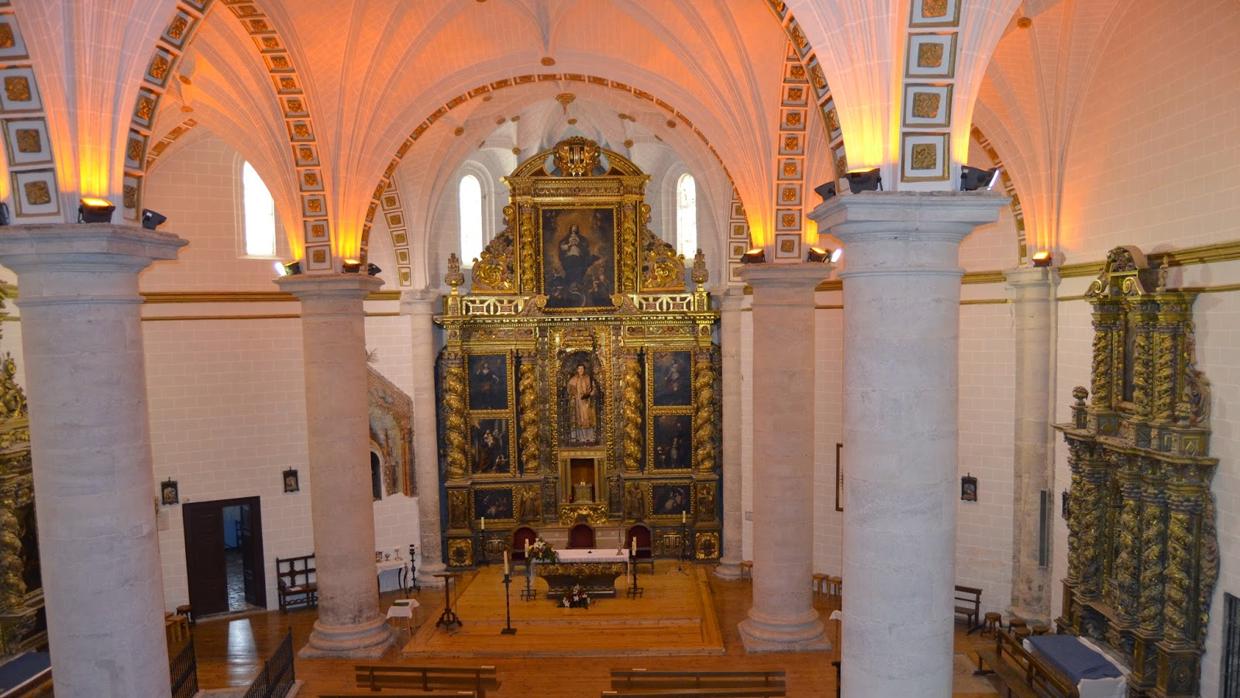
578,383
1142,544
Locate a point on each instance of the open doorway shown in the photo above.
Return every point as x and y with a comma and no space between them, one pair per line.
224,556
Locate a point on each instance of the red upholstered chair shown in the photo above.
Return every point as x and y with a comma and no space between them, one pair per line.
520,537
645,548
581,536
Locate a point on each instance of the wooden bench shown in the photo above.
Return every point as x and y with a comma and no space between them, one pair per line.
296,582
741,692
426,678
1023,676
403,694
634,682
969,604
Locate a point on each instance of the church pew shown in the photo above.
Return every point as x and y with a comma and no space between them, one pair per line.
1022,675
739,692
626,680
380,676
404,694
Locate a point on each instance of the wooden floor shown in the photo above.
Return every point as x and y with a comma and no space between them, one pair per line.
230,653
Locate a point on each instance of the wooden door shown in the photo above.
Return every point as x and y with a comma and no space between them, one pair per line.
204,557
252,552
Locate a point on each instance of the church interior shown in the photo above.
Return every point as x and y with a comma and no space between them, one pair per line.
868,348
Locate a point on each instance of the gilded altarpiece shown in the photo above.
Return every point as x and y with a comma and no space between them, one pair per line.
23,626
1142,546
578,380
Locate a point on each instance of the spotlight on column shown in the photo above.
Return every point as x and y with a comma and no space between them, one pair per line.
351,266
755,256
95,210
1042,258
826,191
152,219
290,269
865,180
373,269
974,178
4,213
819,254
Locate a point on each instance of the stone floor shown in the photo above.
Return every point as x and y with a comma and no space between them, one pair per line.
231,651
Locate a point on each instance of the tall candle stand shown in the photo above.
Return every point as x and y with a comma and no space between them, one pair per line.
508,629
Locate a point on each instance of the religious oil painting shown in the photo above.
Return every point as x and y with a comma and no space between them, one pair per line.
672,442
490,441
488,382
579,257
581,402
669,499
672,377
493,503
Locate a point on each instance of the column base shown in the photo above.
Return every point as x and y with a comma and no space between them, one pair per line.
728,569
369,640
1029,615
426,574
803,634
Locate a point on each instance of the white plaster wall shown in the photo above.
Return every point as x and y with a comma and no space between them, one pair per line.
986,451
828,431
1154,161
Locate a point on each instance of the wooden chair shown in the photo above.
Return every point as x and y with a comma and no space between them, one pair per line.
581,536
818,582
993,624
296,582
835,585
520,538
645,548
969,604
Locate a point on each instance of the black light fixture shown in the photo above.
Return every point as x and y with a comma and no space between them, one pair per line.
4,213
1042,258
819,254
373,269
974,178
95,210
290,269
351,266
756,255
826,191
865,180
152,219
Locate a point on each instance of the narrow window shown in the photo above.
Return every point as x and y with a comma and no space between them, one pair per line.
470,204
686,216
260,215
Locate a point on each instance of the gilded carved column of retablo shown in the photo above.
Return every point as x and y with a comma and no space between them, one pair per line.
1091,502
631,388
1127,558
529,258
704,412
456,423
531,438
12,586
1153,547
1107,332
628,255
1181,535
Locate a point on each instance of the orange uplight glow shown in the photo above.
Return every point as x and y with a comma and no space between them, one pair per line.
95,202
1042,258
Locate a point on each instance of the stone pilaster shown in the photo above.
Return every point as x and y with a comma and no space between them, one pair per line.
337,425
782,616
901,343
1032,295
90,439
420,307
732,302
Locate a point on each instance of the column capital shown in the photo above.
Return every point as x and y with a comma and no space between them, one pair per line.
802,275
84,247
329,286
922,216
419,301
1031,277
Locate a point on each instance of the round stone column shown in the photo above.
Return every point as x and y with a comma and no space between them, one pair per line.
782,616
420,306
337,424
1032,293
730,346
901,337
90,440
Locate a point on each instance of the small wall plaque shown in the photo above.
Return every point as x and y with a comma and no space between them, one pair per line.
968,489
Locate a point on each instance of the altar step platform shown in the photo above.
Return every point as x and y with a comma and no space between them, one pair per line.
675,616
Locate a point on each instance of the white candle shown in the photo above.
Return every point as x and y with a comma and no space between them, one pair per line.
505,563
682,518
527,548
484,523
634,546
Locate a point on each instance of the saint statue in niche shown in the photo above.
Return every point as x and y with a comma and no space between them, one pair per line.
580,400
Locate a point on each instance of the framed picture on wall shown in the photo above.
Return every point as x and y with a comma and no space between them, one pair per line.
292,483
169,494
839,479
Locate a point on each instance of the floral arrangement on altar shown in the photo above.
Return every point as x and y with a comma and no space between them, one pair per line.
542,551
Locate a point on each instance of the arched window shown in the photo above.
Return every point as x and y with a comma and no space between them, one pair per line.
260,214
686,216
469,200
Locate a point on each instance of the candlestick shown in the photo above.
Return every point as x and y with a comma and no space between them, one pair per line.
484,522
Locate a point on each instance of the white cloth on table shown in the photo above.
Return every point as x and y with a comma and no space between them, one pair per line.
1115,687
403,608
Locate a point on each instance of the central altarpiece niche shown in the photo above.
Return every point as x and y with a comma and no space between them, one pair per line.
578,384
